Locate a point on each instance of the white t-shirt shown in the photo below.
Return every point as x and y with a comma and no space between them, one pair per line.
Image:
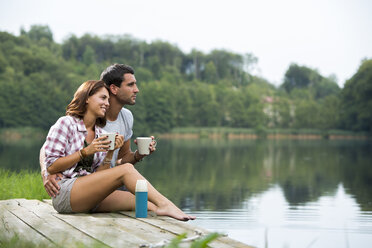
122,125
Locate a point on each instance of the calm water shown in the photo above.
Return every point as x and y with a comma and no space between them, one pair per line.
263,193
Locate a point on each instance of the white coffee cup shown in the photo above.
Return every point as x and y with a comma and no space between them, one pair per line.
143,144
110,137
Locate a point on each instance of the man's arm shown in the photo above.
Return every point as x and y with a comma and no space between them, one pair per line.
127,156
49,181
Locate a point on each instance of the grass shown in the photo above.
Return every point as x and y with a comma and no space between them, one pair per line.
23,184
16,241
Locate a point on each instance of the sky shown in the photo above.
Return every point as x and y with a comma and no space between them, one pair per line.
331,36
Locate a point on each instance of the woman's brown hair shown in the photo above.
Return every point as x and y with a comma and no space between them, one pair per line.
78,106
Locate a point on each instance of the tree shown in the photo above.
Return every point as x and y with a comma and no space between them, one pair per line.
299,77
306,114
326,87
329,112
38,32
356,99
89,55
210,73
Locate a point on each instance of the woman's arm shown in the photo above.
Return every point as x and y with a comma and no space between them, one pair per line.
119,141
63,163
106,163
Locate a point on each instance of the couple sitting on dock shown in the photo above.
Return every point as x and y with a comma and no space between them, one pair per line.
79,172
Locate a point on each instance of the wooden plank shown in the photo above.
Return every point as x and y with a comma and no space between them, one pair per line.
102,229
11,226
117,230
122,229
48,201
178,227
161,223
159,234
40,218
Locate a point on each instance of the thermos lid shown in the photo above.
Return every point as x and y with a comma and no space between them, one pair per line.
141,186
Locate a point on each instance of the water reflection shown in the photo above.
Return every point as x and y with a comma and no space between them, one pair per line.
267,220
218,175
22,155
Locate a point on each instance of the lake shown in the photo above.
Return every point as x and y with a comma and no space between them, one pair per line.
266,193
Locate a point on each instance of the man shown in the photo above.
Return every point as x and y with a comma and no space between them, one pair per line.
123,91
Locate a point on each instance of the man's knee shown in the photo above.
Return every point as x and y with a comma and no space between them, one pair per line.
126,168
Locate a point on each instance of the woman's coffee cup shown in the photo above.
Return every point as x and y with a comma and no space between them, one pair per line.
143,144
110,137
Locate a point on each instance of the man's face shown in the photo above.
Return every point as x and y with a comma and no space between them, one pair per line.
126,93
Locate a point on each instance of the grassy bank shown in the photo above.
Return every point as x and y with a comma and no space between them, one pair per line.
261,132
24,184
26,134
11,135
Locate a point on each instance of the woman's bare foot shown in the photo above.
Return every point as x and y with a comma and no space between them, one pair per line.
173,211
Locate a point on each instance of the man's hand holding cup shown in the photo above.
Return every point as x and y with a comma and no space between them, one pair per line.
146,146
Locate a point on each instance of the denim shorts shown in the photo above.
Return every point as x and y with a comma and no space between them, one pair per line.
61,202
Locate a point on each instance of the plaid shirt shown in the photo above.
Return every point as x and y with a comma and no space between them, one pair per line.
66,137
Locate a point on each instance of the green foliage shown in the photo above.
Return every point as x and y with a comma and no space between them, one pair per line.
210,72
301,77
298,77
38,78
16,241
356,100
38,33
19,242
199,243
307,114
202,243
176,241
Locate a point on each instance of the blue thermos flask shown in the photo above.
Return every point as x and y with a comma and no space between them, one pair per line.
141,199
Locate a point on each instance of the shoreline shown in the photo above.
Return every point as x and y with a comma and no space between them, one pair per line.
10,135
232,136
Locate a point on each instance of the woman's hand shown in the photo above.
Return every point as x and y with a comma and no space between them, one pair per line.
100,144
119,141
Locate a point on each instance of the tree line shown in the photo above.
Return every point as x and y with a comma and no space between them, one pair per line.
39,76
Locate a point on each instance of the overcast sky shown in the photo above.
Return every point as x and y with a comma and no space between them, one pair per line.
332,36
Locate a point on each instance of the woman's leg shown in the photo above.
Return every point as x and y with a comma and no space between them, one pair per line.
90,190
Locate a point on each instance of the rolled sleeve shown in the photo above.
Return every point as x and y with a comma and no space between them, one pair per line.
57,140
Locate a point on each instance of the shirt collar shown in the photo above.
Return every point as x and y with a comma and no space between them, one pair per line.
80,125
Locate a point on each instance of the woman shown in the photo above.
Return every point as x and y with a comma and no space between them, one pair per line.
88,183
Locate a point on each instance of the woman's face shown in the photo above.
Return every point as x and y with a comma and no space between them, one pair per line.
98,103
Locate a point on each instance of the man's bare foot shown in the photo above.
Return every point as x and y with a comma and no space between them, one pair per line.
173,211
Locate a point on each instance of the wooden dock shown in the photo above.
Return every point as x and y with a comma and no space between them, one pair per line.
37,222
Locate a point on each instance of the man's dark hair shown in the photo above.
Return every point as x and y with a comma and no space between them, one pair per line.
114,74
